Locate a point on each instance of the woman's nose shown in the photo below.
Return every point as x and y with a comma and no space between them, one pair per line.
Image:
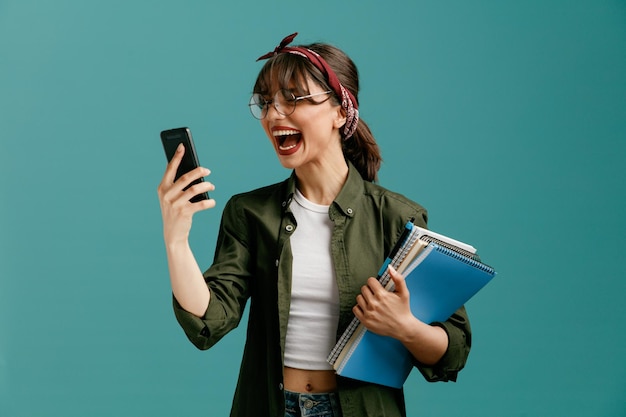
272,113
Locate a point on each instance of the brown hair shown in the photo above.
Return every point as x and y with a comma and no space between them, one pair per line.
291,70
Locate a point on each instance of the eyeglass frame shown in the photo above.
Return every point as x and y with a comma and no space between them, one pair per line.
265,108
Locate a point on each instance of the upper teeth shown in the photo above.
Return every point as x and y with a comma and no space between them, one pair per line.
285,132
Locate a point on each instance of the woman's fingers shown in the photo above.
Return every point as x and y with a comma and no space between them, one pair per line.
368,299
169,190
172,166
174,197
170,173
199,188
191,176
399,283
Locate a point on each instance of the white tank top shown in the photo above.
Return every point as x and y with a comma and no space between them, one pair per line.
314,311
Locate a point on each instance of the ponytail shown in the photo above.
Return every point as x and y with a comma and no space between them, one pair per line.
362,150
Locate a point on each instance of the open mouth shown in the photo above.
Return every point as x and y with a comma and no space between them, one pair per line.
287,140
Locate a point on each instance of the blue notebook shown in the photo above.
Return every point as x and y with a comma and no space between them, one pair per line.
440,281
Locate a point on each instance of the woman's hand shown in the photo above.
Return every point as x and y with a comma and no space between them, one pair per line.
388,313
176,209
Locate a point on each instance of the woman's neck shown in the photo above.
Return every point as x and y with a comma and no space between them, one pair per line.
321,184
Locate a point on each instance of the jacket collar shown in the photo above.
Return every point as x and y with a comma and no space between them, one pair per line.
345,200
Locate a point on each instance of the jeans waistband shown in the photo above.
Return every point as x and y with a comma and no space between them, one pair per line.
312,405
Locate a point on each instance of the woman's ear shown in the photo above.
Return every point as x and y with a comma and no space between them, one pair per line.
340,118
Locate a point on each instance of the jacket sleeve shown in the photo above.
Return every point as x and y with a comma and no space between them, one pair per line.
227,279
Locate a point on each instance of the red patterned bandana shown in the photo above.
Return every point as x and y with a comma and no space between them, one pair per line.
348,101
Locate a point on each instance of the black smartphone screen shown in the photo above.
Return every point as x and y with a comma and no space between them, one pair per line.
171,139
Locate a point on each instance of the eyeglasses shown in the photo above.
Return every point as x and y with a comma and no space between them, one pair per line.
284,102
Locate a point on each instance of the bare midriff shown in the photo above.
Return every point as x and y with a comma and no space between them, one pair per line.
304,381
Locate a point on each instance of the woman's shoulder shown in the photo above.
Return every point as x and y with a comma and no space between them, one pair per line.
395,203
247,210
273,194
378,191
262,191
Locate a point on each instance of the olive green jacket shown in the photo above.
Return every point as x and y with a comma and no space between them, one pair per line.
253,261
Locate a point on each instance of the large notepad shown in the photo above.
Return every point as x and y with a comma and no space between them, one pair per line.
441,274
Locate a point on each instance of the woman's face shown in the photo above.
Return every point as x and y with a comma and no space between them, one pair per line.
309,135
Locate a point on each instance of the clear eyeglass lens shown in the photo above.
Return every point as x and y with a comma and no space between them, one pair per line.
258,106
284,102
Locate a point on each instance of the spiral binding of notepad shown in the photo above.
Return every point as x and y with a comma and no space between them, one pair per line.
476,263
431,239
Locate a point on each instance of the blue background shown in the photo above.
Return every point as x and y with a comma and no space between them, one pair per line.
507,120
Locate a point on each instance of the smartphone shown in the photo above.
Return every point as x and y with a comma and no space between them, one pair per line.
171,139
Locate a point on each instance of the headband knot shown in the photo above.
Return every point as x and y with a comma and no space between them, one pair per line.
286,41
348,101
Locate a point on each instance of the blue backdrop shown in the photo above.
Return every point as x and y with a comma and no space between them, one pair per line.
507,120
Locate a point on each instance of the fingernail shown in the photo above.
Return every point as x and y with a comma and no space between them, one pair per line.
180,147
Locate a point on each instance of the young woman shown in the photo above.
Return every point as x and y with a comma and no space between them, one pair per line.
304,251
